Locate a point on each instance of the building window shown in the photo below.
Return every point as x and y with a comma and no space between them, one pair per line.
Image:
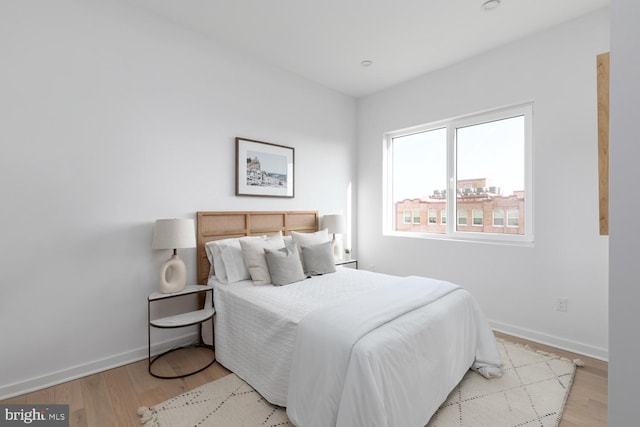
462,217
498,217
477,217
407,217
416,216
433,219
479,164
513,217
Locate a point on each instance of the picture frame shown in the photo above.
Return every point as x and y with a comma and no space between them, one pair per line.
264,169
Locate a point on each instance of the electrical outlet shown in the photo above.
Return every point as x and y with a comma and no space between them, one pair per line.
561,304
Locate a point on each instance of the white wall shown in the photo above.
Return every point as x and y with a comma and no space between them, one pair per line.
109,119
516,286
624,207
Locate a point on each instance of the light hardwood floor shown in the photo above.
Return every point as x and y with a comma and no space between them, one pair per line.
111,398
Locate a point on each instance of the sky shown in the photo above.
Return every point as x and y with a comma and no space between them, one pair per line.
272,163
492,150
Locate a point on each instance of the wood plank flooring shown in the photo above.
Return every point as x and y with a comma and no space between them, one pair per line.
112,398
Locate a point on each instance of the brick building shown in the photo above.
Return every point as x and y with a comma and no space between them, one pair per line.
480,209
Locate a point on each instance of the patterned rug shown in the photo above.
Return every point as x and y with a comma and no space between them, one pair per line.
531,392
228,401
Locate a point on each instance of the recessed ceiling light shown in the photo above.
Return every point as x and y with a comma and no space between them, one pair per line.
366,63
490,4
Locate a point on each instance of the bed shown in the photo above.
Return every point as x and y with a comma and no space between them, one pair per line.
350,348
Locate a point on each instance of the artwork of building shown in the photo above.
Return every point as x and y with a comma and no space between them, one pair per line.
257,177
253,164
480,209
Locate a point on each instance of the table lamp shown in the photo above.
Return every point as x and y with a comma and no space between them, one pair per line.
334,225
173,234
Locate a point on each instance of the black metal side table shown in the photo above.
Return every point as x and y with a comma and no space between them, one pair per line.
180,321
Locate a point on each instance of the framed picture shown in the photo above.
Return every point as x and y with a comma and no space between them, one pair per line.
264,169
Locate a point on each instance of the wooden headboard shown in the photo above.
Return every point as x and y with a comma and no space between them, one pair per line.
225,225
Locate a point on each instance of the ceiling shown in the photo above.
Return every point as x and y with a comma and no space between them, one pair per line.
326,40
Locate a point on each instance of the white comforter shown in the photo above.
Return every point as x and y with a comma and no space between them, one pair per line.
256,327
366,362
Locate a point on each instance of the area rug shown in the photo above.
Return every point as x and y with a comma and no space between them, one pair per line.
531,392
228,401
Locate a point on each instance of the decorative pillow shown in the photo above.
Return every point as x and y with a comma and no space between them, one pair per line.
226,259
253,254
318,259
309,239
284,266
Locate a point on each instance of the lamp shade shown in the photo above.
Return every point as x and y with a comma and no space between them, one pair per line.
333,223
174,234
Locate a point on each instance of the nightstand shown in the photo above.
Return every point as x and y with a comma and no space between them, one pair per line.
346,262
182,320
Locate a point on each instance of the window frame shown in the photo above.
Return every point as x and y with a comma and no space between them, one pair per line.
413,216
473,217
451,125
465,217
429,216
493,217
405,216
507,217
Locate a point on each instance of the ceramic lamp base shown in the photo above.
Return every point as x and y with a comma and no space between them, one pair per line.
173,275
337,248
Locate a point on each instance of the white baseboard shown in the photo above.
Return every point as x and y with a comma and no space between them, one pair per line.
553,341
114,361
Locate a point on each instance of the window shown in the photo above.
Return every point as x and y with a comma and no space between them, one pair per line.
432,216
498,217
410,183
416,216
407,217
462,217
513,217
477,217
477,166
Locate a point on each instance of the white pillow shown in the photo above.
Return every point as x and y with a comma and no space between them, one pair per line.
309,239
253,253
318,259
284,266
226,259
215,260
